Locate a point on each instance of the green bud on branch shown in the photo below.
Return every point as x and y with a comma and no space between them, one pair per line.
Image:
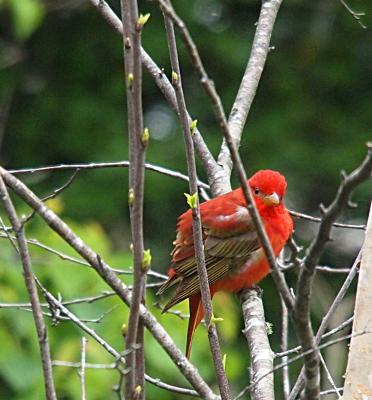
174,78
141,21
193,126
130,80
192,200
131,196
146,261
145,137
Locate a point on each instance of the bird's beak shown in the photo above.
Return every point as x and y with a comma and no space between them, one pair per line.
272,199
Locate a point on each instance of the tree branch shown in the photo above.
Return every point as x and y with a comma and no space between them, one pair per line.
250,81
197,230
301,312
358,373
258,343
42,332
110,277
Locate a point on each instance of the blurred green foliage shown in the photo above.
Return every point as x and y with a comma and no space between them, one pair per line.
62,100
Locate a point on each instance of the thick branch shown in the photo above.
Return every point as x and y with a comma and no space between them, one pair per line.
251,78
262,356
358,374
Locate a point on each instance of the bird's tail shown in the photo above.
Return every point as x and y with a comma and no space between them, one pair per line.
196,315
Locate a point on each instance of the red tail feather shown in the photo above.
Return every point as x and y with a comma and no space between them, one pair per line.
196,315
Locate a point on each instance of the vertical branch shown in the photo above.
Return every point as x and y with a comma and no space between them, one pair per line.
197,231
358,382
262,356
132,29
41,329
82,372
284,347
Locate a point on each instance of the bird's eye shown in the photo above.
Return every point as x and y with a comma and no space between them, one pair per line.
256,191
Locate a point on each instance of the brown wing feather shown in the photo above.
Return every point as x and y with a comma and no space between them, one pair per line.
222,256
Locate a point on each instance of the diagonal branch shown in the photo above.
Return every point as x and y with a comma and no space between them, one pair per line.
209,163
110,277
251,78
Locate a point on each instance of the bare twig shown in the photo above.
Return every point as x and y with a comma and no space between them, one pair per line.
82,371
197,230
53,195
280,366
325,321
319,220
284,348
41,329
156,382
354,14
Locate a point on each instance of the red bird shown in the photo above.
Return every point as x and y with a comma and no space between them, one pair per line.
233,255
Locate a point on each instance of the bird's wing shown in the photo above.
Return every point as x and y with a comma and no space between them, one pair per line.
229,242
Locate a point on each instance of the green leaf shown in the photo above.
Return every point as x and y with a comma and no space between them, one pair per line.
146,261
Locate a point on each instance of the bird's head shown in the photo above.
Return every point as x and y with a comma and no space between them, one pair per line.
268,186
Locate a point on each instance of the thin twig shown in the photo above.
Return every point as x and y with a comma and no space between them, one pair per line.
296,358
354,14
156,382
82,371
53,195
197,230
284,348
329,376
299,215
41,329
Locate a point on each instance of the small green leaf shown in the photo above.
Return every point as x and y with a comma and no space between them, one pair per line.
193,126
269,328
143,19
192,200
146,258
